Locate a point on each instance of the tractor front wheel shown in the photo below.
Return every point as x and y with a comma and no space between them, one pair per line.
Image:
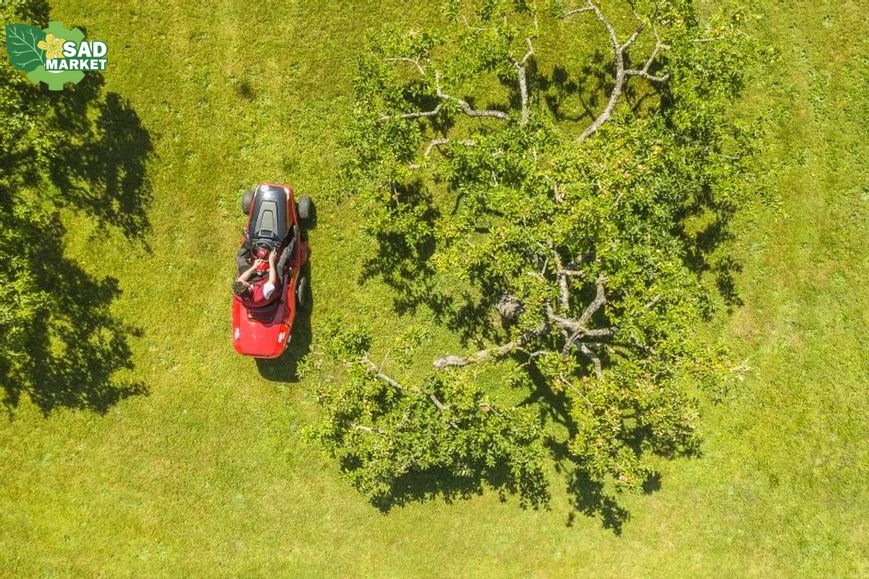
246,200
305,208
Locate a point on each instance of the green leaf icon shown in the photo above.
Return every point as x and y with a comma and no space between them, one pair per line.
21,44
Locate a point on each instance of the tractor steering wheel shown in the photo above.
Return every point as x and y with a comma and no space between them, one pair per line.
267,245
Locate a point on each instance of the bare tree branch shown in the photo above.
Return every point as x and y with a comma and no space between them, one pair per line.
434,143
414,61
644,72
414,115
576,330
573,11
375,369
598,370
441,406
632,37
465,106
558,193
601,332
468,24
438,142
563,289
619,56
489,353
581,324
652,302
568,344
364,428
477,357
523,81
596,304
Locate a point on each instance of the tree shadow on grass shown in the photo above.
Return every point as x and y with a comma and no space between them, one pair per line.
589,496
405,264
440,484
427,486
598,499
591,499
75,351
78,346
105,175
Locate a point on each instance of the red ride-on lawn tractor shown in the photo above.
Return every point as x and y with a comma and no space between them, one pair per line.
274,222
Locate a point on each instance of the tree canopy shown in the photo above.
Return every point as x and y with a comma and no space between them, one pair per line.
572,251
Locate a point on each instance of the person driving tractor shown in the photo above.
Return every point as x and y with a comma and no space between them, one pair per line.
270,285
258,294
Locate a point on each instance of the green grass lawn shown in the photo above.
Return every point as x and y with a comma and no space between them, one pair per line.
210,473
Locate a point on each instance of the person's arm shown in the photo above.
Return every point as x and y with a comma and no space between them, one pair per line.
247,273
272,283
273,270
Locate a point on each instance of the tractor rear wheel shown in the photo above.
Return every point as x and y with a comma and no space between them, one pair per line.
302,297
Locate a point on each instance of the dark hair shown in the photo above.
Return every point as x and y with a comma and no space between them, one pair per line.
239,288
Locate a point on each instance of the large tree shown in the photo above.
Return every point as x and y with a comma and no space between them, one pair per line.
568,247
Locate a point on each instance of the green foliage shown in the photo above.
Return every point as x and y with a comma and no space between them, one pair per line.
24,149
601,243
446,424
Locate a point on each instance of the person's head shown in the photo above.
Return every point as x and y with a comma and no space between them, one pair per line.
240,288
